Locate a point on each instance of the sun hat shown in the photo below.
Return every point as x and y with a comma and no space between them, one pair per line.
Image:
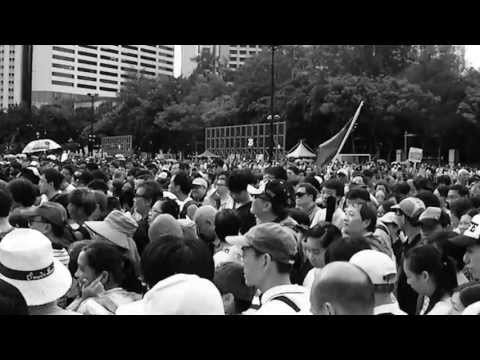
410,206
27,262
179,294
200,182
390,218
51,211
271,238
379,266
117,227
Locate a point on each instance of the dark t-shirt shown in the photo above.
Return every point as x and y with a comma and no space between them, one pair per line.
247,219
141,235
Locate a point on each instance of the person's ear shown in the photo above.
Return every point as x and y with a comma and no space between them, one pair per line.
104,277
425,275
366,223
328,309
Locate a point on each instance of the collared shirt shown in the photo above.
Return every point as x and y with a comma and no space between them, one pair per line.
392,308
104,304
296,293
442,307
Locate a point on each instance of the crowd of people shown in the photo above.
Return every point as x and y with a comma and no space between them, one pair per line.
122,236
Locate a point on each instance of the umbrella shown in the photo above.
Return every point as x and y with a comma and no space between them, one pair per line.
40,145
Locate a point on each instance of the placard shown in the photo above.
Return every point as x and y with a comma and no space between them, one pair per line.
415,155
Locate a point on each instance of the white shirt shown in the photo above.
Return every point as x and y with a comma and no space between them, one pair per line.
392,308
296,293
442,307
337,218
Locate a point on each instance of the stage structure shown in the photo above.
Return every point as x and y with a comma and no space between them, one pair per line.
246,141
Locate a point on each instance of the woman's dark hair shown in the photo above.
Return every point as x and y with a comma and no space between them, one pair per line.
170,206
85,178
53,176
444,180
113,204
339,188
310,179
102,256
227,223
358,194
443,190
12,301
470,295
23,191
402,188
442,241
475,201
84,199
239,180
428,198
126,198
460,207
98,184
387,205
184,181
299,216
326,232
440,267
368,212
170,255
278,172
5,203
343,249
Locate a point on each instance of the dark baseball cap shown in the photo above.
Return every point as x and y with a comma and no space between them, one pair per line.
273,190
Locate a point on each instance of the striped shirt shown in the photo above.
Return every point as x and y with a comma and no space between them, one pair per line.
62,256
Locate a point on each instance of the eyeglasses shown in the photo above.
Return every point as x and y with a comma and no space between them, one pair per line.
300,194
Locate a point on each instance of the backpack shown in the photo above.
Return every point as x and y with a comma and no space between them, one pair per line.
287,301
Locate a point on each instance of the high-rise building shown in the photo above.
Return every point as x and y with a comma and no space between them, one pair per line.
73,71
10,75
238,54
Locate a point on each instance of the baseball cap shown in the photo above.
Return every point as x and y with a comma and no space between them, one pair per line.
379,266
51,211
410,206
471,236
270,238
431,213
200,182
274,190
390,218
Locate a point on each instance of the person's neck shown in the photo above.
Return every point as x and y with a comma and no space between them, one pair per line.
268,217
182,196
276,280
52,193
411,232
4,224
308,208
383,299
244,199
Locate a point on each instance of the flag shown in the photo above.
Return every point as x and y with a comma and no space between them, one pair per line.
328,150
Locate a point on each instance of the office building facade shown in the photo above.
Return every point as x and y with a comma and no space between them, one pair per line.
11,73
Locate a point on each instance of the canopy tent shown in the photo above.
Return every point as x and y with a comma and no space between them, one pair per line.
207,154
40,145
301,151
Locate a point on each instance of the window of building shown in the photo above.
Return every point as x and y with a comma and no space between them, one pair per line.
108,81
163,47
89,47
165,68
62,49
61,74
147,72
147,58
148,65
165,54
111,58
243,51
85,86
60,57
129,62
87,78
233,58
93,71
84,53
148,51
108,89
61,66
113,51
233,51
130,47
109,66
88,62
108,73
129,69
130,54
61,83
233,66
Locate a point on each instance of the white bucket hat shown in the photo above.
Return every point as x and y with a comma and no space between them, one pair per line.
27,262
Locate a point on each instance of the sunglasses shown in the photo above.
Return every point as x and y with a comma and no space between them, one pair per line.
300,194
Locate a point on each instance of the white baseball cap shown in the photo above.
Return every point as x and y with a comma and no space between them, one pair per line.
179,294
200,182
379,266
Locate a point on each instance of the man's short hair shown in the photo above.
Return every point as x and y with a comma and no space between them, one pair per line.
443,190
462,190
23,191
444,179
170,255
227,222
358,194
368,212
336,185
5,203
170,206
53,176
309,189
343,249
182,179
84,199
240,179
153,190
402,188
99,185
278,172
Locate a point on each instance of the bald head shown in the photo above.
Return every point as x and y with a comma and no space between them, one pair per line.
164,224
342,288
205,221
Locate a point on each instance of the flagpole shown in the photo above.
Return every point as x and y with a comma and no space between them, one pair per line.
354,120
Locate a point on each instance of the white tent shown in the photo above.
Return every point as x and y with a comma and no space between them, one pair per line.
301,151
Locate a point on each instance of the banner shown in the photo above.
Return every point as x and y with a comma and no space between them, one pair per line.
415,155
328,150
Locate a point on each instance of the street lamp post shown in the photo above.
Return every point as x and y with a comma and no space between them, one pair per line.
92,119
272,104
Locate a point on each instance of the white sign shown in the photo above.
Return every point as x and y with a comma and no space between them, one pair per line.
415,155
398,157
260,157
250,142
451,157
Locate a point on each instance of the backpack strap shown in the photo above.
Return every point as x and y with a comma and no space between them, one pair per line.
287,301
